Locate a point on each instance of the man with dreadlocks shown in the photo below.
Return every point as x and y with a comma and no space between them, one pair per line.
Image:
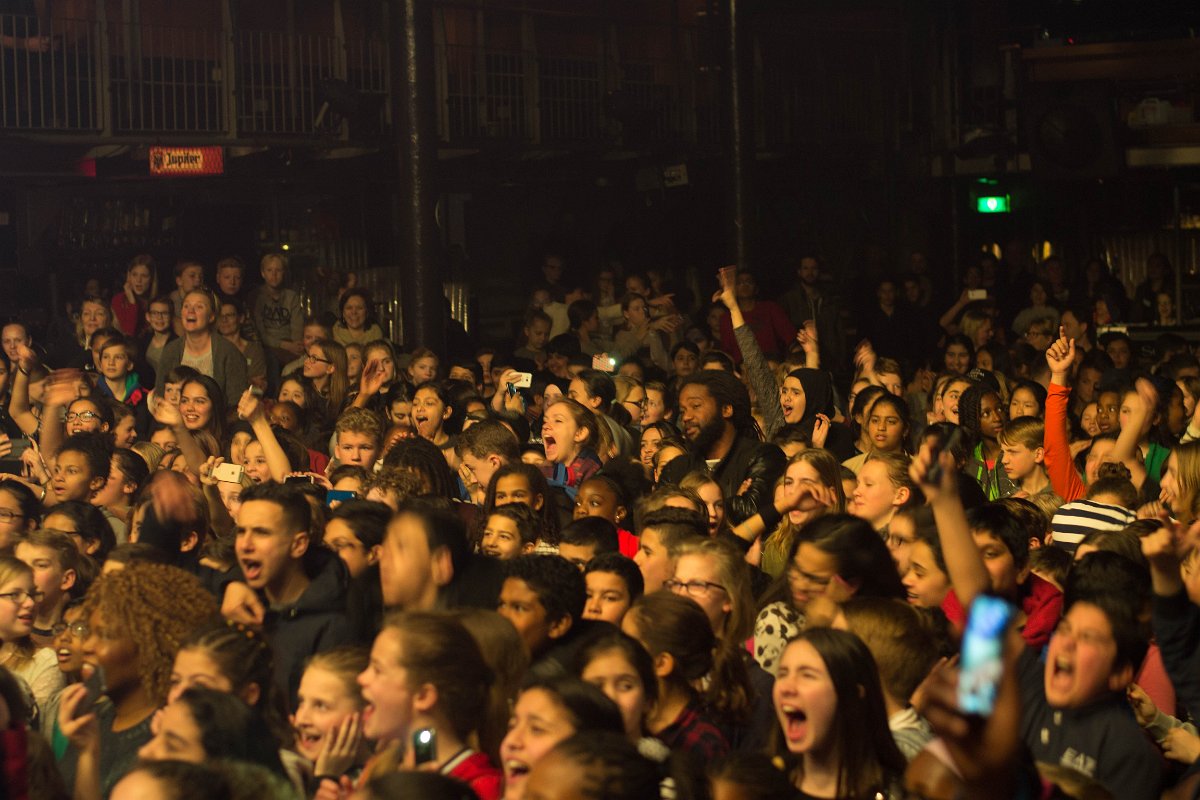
725,440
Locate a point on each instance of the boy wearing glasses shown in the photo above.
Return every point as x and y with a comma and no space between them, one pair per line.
54,560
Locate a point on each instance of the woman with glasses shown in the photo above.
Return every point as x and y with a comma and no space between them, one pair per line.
36,667
836,557
631,396
325,367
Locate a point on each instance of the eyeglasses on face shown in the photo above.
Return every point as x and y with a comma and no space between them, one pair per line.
693,588
797,575
78,630
9,516
311,357
18,596
82,416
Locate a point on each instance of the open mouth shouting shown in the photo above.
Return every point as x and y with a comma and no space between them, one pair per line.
795,723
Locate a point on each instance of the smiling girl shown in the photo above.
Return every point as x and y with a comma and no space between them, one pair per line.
328,706
833,726
37,667
883,487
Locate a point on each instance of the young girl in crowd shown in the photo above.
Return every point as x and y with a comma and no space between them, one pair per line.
546,713
425,671
833,734
36,667
327,721
136,618
883,488
677,634
619,666
325,367
838,557
570,435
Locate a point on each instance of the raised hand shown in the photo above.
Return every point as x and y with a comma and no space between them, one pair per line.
820,431
806,335
373,378
165,413
919,469
1060,356
249,407
727,280
26,358
865,357
341,747
62,387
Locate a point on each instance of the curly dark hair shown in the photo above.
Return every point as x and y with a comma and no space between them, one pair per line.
727,390
557,582
157,607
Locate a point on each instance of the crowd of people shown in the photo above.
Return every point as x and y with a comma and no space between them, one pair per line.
655,548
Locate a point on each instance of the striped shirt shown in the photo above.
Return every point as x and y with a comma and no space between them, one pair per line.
1073,521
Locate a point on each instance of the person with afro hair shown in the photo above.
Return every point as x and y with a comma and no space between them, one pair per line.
981,416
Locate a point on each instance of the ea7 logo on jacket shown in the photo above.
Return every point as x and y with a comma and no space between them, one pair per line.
1080,762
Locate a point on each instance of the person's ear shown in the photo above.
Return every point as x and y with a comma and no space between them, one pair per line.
538,502
1039,455
1119,680
560,626
299,545
97,483
441,566
620,514
727,412
189,542
447,413
901,496
250,694
425,698
528,548
67,581
373,554
664,665
581,434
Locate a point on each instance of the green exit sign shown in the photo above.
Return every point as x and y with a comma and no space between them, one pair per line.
992,204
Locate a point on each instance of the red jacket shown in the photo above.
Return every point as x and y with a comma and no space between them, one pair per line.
476,771
1057,445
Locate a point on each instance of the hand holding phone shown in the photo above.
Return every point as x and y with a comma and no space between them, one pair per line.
424,743
228,473
982,660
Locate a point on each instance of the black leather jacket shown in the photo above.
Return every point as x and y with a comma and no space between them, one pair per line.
760,462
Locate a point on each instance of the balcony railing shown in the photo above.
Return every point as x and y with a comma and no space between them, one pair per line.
132,80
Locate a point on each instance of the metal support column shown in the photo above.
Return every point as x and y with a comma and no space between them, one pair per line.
741,135
414,221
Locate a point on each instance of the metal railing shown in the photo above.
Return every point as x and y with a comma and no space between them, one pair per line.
47,74
89,76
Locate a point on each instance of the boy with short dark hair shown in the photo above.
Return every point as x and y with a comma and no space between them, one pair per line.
585,538
81,467
664,532
301,583
543,597
613,583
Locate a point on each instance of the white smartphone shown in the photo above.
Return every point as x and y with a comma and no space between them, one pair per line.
228,473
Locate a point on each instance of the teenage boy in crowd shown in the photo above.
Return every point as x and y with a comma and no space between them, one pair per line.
301,583
1074,711
277,312
55,562
1023,456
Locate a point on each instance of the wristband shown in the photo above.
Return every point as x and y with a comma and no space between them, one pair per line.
770,516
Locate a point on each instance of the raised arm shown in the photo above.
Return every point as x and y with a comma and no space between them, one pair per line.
250,409
62,387
753,362
968,574
1141,415
947,319
1056,440
18,405
168,415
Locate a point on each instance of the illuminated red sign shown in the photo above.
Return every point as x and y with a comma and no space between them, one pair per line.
187,161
